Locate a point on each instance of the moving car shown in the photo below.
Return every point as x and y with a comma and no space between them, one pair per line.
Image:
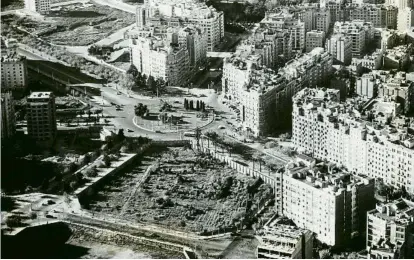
130,131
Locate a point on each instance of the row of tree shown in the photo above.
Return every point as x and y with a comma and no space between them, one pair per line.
199,105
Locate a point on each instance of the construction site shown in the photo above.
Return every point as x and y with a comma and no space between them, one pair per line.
179,188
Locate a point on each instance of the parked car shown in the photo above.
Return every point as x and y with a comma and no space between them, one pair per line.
130,131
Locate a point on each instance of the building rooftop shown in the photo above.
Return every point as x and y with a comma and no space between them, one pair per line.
280,238
400,211
325,176
40,95
376,117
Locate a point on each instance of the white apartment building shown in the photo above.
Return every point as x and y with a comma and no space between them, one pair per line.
142,14
283,241
359,32
263,95
13,71
405,19
375,61
191,12
381,16
8,125
390,230
37,6
340,46
326,200
286,20
339,133
314,39
366,85
41,117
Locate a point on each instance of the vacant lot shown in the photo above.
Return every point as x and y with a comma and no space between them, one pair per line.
77,24
184,191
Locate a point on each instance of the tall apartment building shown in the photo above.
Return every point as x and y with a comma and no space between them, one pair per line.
405,19
37,6
322,20
274,45
398,89
366,86
141,16
326,200
283,241
340,46
41,117
314,39
13,71
263,95
370,143
185,12
400,4
194,40
286,20
8,125
161,59
360,33
390,230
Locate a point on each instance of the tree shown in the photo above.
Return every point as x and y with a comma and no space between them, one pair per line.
185,104
257,157
121,135
191,105
198,105
159,86
151,82
132,70
106,160
14,221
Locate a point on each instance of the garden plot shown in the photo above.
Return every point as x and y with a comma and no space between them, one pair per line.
184,191
78,24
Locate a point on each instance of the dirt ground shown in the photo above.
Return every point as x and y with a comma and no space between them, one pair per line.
185,192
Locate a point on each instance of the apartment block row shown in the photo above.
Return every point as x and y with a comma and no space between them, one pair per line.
366,137
169,53
263,95
183,13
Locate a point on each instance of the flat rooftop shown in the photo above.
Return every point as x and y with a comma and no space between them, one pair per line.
40,95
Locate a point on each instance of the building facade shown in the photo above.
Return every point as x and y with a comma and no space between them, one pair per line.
13,72
41,117
314,39
362,143
283,241
340,46
326,200
37,6
8,124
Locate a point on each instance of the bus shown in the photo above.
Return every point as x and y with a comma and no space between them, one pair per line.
189,134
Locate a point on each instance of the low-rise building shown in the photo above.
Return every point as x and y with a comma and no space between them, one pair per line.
283,241
390,230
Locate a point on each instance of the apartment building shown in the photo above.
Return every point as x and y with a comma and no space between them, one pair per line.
284,241
284,20
399,57
322,20
194,40
367,85
340,46
314,39
368,142
41,117
8,125
405,19
326,200
374,61
397,88
361,34
13,71
37,6
185,12
381,16
264,96
390,230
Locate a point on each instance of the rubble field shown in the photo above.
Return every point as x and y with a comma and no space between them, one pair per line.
184,191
